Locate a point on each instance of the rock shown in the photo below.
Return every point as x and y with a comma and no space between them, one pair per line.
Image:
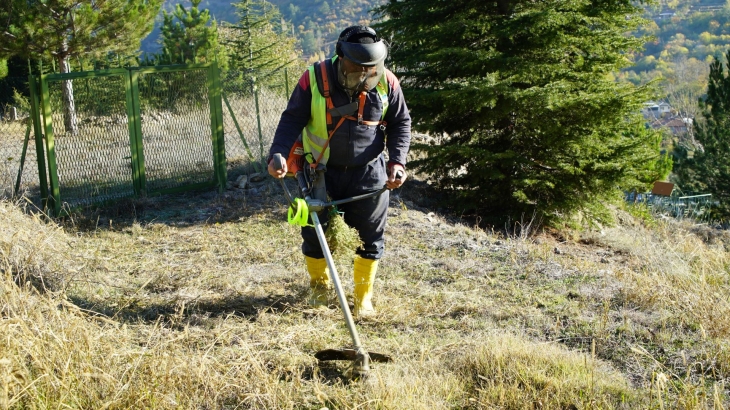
241,181
257,177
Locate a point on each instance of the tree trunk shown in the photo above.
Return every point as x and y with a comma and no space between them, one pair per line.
69,108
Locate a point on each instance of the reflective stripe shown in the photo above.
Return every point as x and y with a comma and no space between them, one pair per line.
383,91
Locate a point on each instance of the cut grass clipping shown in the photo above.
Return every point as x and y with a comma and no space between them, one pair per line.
342,239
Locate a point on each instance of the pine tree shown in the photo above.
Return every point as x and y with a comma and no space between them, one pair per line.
708,169
535,127
65,29
257,46
187,36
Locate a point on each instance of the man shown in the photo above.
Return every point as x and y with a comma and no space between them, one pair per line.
348,110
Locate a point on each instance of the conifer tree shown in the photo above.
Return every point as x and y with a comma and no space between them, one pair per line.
257,46
534,124
187,36
65,29
708,169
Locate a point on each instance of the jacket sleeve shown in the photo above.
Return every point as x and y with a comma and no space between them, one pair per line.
293,119
398,128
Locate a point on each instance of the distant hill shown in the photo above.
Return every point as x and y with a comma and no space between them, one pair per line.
316,23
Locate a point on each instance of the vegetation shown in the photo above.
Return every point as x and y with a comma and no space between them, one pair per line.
199,301
535,125
188,36
258,47
681,32
189,303
64,29
315,24
703,167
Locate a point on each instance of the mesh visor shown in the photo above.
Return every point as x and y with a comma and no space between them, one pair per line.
355,77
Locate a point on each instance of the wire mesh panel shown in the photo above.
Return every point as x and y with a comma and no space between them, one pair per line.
17,137
89,135
251,114
12,145
176,129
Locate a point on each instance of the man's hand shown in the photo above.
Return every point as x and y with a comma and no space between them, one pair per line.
277,173
396,176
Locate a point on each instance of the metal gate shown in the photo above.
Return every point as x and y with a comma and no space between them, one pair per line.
130,132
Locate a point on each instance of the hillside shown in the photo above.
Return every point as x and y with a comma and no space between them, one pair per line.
687,34
696,32
315,22
198,301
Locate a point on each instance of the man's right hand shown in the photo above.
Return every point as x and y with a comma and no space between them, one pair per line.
277,173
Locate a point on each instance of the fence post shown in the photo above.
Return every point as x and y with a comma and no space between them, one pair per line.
258,118
216,123
38,131
22,160
55,193
139,180
286,82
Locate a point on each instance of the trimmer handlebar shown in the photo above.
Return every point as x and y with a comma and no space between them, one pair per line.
317,205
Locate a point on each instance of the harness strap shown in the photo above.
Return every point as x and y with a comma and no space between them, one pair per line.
327,143
326,92
330,108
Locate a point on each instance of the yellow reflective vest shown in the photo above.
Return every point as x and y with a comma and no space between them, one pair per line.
315,134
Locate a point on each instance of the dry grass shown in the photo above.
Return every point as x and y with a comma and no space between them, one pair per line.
203,305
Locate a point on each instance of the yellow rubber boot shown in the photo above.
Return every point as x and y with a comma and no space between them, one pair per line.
319,281
364,276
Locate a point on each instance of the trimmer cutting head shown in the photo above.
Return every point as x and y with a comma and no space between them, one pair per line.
350,354
360,358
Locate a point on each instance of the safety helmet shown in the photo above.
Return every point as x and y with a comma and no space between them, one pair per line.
361,45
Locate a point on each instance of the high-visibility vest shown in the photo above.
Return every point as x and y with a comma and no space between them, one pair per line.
321,126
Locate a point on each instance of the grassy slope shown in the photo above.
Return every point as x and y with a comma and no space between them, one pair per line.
200,303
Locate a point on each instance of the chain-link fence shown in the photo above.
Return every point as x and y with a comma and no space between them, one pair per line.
18,162
251,111
90,138
176,128
91,135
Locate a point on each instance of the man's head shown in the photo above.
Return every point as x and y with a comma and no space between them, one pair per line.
361,54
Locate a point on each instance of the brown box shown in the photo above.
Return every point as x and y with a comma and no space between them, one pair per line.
662,188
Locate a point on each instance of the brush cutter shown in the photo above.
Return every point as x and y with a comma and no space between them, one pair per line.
311,184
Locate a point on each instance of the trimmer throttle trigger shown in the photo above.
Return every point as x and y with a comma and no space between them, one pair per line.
278,161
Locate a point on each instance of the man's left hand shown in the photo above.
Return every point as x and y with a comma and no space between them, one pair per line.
396,176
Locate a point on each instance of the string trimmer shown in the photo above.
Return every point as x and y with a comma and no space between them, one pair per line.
311,184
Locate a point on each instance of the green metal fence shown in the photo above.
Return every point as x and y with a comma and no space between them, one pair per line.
119,133
88,144
138,131
18,161
252,108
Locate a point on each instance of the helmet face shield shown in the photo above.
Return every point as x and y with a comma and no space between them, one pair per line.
367,54
356,77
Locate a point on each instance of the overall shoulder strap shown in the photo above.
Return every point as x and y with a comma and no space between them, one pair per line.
321,70
321,67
